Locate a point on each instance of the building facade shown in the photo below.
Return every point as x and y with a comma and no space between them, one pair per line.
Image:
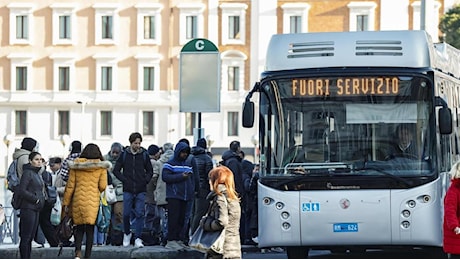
98,70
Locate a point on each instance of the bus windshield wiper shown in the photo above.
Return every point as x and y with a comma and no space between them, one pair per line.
384,172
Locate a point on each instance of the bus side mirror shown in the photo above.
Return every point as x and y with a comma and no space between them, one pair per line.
445,121
248,114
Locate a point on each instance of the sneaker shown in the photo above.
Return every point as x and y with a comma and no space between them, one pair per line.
126,239
173,245
182,244
256,240
277,249
138,243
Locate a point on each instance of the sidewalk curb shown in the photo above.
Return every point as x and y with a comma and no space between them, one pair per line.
113,252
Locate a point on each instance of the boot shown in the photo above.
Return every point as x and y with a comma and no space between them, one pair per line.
77,254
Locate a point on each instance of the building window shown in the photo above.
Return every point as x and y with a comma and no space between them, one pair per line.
148,71
233,23
190,123
232,124
106,70
295,17
20,71
64,27
233,27
64,78
21,21
361,23
21,123
148,122
107,27
191,26
233,78
362,16
149,78
149,27
63,23
191,21
106,78
21,78
22,27
106,31
106,122
296,24
63,71
233,63
149,23
63,122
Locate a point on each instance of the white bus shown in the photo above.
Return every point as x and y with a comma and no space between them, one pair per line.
330,173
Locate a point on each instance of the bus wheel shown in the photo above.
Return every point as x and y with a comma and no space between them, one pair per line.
297,252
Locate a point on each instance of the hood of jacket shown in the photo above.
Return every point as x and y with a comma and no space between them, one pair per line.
181,146
166,156
229,154
18,152
29,166
198,150
89,164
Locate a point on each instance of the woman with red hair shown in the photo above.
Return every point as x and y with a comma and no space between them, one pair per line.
224,212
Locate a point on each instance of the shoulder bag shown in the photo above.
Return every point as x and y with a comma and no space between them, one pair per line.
208,240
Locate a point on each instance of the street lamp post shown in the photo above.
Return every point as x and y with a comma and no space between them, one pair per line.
8,139
82,113
64,141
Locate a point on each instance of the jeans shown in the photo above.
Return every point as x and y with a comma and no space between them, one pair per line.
28,225
152,218
163,213
134,202
99,237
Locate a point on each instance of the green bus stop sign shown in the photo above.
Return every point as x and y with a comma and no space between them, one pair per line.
199,73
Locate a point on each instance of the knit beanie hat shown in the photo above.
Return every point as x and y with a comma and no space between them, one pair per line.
28,143
75,147
153,149
201,143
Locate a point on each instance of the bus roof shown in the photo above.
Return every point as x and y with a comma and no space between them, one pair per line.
409,49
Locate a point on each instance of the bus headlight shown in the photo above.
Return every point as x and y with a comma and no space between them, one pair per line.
286,225
285,215
411,203
405,224
405,213
267,201
279,205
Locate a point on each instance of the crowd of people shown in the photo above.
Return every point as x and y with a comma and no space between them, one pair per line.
162,193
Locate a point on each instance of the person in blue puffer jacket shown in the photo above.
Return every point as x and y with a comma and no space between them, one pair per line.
177,174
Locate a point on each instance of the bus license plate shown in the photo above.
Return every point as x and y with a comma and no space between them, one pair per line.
345,227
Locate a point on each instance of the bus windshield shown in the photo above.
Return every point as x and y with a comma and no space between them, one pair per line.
357,125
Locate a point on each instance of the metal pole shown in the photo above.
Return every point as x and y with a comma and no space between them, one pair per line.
423,15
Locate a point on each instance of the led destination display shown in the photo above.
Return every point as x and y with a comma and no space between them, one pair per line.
345,86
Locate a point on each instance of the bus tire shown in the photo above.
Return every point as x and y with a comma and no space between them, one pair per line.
297,252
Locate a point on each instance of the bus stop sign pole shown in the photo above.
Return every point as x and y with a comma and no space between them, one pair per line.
199,79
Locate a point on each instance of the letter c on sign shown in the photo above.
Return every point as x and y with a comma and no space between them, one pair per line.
199,45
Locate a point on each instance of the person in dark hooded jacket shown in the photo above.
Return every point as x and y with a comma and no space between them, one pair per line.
204,165
137,172
177,173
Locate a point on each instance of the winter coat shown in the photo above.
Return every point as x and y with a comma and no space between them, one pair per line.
225,214
451,243
160,191
31,188
152,185
87,179
204,165
233,161
23,158
178,186
137,170
116,183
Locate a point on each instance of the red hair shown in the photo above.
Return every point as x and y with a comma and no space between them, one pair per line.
223,175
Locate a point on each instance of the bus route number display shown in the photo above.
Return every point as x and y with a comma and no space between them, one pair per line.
345,86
